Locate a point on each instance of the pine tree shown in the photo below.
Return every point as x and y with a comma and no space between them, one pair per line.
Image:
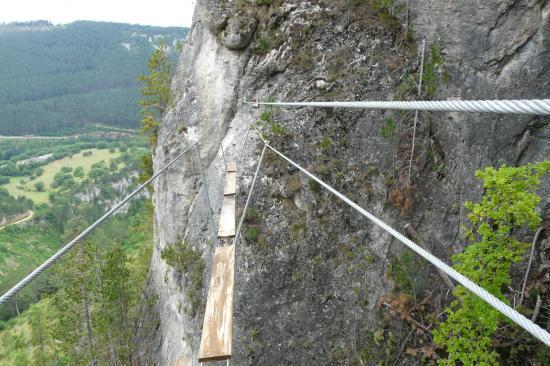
156,91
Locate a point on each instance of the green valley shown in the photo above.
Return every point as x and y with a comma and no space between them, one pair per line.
39,188
69,110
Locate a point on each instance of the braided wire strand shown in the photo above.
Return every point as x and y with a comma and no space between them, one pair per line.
519,106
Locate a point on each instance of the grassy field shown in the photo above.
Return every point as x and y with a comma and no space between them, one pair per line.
16,188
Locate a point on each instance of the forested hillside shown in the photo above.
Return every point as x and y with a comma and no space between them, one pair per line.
58,79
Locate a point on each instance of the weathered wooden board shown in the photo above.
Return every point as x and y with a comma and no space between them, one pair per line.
217,328
232,166
226,227
230,185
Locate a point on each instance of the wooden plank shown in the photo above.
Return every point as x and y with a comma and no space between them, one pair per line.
217,328
226,226
231,166
230,186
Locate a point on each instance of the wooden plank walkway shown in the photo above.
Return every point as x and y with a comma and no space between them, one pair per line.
217,330
230,186
232,166
226,228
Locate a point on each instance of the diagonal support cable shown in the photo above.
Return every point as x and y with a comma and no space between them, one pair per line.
243,215
197,150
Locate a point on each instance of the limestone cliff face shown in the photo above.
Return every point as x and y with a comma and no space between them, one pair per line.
312,275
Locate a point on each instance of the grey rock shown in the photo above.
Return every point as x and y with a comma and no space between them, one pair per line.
238,32
295,300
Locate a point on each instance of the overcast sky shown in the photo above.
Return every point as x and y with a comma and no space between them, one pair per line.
151,12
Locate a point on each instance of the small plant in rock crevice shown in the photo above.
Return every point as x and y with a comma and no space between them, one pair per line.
275,129
388,130
189,262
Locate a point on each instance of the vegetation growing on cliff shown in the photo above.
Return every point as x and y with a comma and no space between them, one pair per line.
187,262
508,205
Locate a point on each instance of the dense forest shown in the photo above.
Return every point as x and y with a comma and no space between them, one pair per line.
59,79
101,281
76,199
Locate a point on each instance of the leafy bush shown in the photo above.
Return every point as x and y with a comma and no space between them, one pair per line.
509,203
39,186
59,178
79,172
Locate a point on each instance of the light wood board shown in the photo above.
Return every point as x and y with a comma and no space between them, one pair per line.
226,227
217,329
232,166
230,186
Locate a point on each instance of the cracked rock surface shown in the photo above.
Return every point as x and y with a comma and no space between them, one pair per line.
311,273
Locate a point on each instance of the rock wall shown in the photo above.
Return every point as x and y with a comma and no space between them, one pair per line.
314,279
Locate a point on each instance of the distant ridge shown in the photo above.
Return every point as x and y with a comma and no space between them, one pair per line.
67,77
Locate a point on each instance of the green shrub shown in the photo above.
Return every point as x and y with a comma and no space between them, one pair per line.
39,186
59,178
79,172
251,234
509,204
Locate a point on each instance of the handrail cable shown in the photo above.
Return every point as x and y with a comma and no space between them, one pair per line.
54,258
523,106
489,298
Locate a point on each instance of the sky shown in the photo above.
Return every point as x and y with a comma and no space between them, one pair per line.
155,12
